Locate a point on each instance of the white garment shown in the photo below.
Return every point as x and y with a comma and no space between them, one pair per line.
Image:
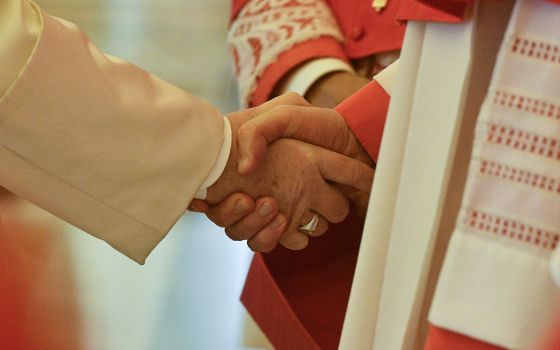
495,284
95,140
414,205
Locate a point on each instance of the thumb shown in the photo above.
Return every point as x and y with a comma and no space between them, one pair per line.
319,126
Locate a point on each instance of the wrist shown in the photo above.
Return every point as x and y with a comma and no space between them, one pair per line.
333,88
219,165
229,181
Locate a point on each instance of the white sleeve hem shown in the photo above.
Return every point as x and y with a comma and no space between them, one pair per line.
301,79
220,165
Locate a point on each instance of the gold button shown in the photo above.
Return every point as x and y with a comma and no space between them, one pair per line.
357,32
379,5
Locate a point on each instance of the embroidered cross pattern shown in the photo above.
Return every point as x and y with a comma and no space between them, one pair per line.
534,48
521,140
538,106
522,176
479,221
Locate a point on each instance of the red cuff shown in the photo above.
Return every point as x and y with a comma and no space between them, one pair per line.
365,113
442,339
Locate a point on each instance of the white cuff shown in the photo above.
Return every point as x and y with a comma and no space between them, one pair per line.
220,165
301,78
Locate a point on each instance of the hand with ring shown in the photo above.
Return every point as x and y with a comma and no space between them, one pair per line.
262,221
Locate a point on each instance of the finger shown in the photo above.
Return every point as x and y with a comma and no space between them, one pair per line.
246,227
290,98
320,126
231,209
331,203
295,240
268,238
322,224
344,170
198,206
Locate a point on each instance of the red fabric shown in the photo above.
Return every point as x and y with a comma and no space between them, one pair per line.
365,113
442,339
432,10
553,342
299,298
236,6
13,332
365,30
322,47
361,26
38,306
551,336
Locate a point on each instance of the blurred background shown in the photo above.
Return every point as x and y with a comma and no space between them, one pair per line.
63,289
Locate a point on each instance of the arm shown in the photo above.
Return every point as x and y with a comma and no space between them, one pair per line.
83,137
292,35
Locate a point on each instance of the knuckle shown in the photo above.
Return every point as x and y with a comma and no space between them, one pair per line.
217,221
295,98
260,245
245,131
340,211
356,174
235,235
281,110
295,241
321,231
296,244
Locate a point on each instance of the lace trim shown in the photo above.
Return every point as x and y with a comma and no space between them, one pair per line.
264,29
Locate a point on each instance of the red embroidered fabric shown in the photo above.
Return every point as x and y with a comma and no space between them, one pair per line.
265,29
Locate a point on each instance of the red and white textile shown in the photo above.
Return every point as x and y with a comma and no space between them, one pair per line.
264,29
496,284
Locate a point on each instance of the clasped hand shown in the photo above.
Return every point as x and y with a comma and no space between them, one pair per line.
289,161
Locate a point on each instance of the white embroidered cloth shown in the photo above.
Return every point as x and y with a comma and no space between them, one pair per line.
496,284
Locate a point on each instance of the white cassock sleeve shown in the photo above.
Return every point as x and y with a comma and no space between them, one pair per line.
95,140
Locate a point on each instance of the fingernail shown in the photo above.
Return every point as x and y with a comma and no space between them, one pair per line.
278,221
240,207
265,209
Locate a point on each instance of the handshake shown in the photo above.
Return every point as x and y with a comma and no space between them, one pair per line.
293,169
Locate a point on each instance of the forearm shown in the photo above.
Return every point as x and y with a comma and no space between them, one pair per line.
328,82
333,88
